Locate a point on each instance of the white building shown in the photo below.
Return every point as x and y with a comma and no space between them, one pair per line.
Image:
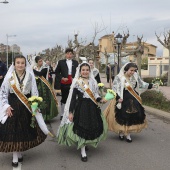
15,48
157,66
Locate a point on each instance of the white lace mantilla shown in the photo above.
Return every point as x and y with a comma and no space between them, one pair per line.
92,85
29,86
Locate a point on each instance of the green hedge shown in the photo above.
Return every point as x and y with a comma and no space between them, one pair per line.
156,100
149,79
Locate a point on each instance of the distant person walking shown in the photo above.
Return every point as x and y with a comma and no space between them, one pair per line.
3,71
109,72
50,72
94,70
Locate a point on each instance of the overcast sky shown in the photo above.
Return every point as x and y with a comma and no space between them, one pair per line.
41,24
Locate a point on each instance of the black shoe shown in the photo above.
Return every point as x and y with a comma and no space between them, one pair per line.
15,164
129,140
20,159
61,117
86,148
84,159
47,121
121,137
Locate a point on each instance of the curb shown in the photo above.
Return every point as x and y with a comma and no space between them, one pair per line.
157,112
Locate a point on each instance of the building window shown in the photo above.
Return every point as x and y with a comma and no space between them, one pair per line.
165,68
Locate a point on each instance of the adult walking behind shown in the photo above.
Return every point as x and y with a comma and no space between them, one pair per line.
3,70
66,69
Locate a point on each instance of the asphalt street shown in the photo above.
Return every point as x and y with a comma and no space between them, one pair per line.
148,151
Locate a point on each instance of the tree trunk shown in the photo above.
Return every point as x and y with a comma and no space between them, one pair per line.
168,84
110,78
77,57
139,55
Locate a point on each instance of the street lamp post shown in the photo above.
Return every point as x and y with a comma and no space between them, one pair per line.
12,54
119,41
160,68
7,48
5,2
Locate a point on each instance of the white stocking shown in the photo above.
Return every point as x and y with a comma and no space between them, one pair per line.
19,155
62,108
128,136
121,134
15,157
83,152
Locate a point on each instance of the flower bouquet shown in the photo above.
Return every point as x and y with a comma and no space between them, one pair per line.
110,95
157,82
36,103
101,88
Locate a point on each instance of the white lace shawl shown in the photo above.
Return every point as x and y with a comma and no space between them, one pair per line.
92,85
29,86
119,83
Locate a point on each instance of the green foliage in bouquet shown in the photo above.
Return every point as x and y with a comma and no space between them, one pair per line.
110,95
36,104
157,81
101,88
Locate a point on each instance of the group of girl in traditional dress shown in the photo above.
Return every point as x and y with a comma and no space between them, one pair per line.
83,122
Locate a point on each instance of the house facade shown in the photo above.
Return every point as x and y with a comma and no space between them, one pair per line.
157,66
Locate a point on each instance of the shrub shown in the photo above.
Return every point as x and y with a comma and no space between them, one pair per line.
151,79
165,78
158,81
148,79
144,66
102,68
156,100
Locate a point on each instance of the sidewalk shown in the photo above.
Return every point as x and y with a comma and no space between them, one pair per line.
164,89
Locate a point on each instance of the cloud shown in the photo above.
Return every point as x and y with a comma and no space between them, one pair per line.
43,24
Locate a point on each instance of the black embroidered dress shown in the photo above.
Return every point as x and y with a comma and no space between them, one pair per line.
16,134
89,126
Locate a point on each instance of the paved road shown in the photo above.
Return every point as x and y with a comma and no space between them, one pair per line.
148,151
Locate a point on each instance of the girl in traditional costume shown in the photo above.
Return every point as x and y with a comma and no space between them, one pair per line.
88,125
94,70
16,134
45,89
127,115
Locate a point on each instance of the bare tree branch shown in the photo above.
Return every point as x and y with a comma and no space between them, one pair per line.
125,37
158,38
